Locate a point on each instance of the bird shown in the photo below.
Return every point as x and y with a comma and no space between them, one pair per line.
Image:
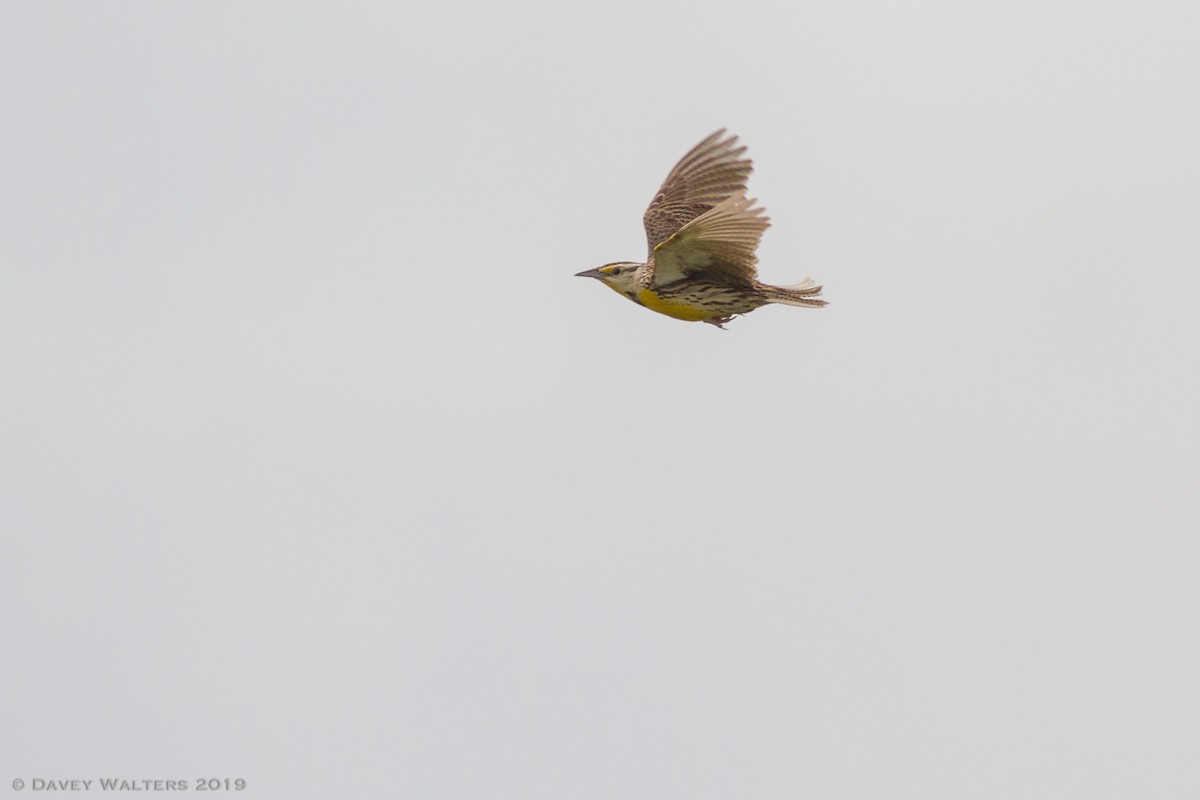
702,232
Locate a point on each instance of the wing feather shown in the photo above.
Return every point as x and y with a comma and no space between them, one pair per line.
710,173
719,244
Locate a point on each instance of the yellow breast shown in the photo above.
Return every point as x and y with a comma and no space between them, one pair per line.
650,299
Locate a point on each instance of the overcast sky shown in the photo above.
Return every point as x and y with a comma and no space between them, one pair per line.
319,469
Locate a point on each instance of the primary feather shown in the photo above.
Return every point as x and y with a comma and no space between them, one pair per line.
712,171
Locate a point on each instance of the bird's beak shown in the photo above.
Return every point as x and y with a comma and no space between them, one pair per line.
590,273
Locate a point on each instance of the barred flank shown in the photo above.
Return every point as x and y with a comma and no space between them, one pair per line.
719,299
726,300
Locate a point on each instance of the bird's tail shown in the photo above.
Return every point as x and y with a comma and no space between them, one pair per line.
804,293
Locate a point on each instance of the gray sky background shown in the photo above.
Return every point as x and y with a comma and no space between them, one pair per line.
319,469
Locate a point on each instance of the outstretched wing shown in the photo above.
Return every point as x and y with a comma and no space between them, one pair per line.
718,245
712,171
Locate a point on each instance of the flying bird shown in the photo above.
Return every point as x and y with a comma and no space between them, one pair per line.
702,232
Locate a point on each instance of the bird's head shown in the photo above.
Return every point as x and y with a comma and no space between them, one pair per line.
620,276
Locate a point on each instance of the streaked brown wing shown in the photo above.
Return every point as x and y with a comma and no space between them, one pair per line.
712,171
718,245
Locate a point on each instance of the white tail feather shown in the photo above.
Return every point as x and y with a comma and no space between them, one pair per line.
807,283
805,293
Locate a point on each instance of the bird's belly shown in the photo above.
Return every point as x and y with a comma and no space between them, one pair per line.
672,308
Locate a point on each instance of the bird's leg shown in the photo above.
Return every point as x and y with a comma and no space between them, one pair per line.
720,321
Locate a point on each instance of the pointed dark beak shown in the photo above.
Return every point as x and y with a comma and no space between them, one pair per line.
590,273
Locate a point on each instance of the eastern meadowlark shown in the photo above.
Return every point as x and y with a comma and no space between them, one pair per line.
702,231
